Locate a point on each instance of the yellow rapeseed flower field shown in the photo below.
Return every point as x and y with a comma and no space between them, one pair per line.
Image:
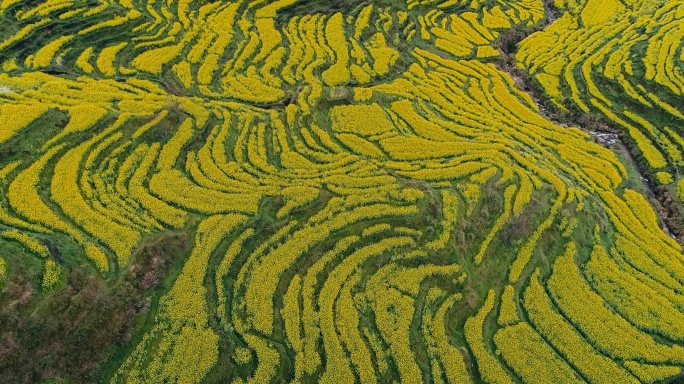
439,191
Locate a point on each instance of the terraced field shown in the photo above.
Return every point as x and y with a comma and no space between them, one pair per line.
365,193
622,61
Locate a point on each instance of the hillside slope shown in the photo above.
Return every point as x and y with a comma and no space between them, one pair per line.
298,191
